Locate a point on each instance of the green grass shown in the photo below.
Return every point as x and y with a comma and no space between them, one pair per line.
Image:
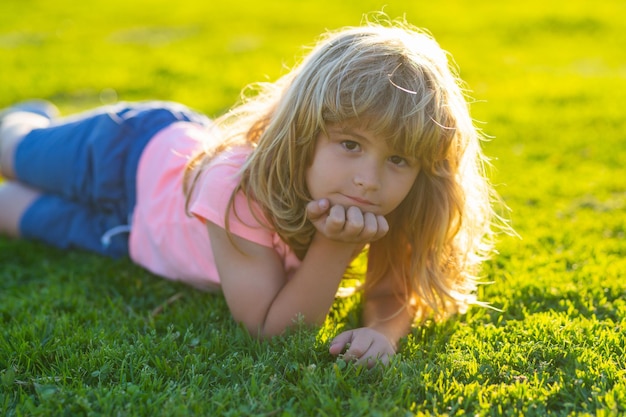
82,335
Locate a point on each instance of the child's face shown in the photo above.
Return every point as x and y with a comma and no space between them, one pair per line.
353,167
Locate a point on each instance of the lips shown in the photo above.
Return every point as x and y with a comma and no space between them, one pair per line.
359,201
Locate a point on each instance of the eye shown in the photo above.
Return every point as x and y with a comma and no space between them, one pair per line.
398,160
350,145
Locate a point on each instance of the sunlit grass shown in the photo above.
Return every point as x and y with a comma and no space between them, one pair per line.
82,335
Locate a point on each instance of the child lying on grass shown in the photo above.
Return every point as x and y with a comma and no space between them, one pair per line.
367,143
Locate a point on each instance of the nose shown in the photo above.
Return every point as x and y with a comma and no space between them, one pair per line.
368,178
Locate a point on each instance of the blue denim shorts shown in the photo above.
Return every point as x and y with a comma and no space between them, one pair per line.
85,167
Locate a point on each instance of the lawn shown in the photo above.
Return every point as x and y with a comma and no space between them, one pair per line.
83,335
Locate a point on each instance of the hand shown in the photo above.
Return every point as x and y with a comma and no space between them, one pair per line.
348,225
367,347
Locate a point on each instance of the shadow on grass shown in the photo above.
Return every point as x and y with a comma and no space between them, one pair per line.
89,287
124,300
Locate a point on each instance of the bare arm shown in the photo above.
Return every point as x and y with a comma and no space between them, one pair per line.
253,279
387,318
388,313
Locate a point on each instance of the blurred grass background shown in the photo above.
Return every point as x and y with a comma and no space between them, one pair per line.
87,336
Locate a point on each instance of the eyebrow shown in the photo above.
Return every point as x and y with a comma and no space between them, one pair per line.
349,131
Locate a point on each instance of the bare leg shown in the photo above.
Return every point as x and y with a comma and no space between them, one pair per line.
15,198
13,128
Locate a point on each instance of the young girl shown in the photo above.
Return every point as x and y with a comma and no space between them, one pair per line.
368,143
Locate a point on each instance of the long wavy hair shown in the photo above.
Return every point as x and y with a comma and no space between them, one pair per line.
396,78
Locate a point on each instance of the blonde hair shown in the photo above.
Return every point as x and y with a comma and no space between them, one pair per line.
397,80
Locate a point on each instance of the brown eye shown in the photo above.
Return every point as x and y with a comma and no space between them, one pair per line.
398,160
350,145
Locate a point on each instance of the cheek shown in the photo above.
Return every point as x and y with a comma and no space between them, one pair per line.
318,174
403,189
313,181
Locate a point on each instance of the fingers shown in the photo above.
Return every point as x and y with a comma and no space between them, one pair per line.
317,208
340,342
358,349
348,225
336,221
366,226
364,347
380,224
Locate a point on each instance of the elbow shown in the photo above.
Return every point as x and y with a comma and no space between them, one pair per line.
266,331
261,332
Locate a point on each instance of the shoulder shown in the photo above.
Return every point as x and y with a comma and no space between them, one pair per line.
216,200
178,141
223,173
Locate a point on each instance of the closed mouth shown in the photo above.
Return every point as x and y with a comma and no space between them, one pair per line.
360,201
